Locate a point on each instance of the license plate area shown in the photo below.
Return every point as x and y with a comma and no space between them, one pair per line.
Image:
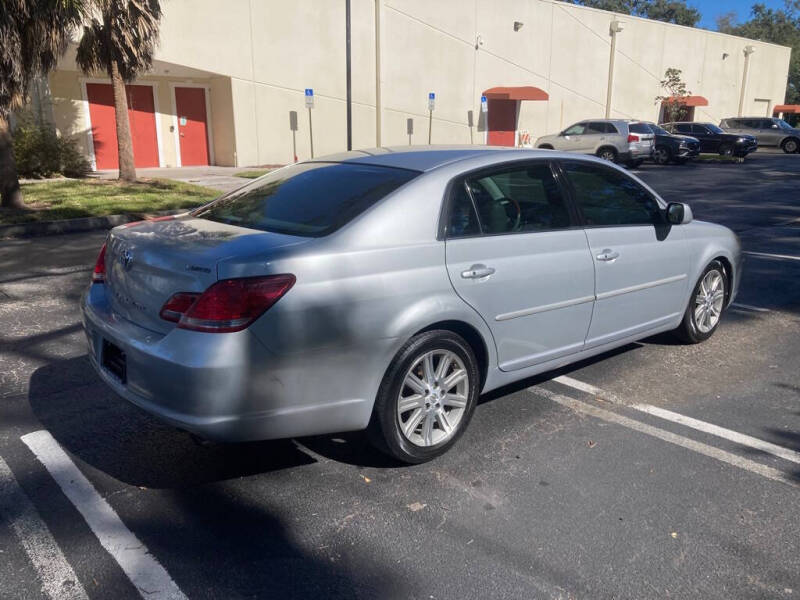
114,361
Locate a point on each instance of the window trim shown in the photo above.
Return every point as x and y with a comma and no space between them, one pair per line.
444,215
567,184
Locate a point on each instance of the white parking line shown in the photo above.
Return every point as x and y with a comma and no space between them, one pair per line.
58,578
749,307
586,387
141,567
667,436
728,434
768,255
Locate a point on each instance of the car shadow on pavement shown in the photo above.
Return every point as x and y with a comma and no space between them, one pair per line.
216,531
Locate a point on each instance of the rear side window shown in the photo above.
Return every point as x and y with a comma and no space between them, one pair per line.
701,129
519,200
607,197
309,199
640,128
462,221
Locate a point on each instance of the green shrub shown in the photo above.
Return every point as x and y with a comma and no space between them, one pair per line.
39,152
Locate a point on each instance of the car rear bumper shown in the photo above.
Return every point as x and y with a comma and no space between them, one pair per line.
224,387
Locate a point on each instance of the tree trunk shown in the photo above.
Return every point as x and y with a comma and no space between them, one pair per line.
10,193
127,170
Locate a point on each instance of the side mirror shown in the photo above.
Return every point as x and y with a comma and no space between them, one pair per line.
562,133
678,213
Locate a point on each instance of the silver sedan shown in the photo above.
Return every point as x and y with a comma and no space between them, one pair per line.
386,289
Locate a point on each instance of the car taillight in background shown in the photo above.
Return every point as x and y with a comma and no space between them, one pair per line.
228,305
633,138
99,273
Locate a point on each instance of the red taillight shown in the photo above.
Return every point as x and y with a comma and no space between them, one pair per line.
99,273
228,305
633,138
177,305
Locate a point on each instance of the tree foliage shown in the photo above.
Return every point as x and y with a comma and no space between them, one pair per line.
778,26
669,11
676,92
33,36
121,43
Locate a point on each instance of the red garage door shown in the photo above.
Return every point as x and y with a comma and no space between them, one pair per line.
142,117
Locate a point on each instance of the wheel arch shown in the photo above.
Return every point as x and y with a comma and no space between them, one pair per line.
471,335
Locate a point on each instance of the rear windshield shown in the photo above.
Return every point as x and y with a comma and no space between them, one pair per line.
308,199
639,128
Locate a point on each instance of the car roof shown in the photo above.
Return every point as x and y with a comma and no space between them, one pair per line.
427,158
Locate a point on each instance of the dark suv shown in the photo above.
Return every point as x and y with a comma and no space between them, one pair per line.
670,147
768,131
714,140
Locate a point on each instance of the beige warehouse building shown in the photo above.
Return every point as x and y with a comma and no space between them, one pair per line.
227,75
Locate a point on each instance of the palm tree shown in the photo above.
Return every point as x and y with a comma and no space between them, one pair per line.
33,35
122,45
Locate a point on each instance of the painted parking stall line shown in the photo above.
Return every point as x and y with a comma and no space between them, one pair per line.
667,436
716,430
57,577
145,572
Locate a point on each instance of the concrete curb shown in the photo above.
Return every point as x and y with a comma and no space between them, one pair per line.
39,228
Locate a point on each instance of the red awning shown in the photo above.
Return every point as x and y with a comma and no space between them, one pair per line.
786,108
526,92
689,100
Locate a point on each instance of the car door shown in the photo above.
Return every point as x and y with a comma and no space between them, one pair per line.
769,134
709,141
516,254
641,263
572,138
597,133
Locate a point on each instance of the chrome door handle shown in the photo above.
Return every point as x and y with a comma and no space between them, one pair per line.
477,272
608,255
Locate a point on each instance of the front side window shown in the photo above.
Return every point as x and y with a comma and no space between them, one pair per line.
307,199
519,200
577,129
712,128
683,128
699,129
608,197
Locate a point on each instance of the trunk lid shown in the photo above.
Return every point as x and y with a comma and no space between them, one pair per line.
148,262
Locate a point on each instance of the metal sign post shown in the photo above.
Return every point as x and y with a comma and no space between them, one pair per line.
470,124
293,128
309,106
431,106
409,129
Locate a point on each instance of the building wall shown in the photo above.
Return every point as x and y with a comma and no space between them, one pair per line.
266,52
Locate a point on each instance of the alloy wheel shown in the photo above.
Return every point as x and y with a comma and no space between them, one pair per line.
708,301
433,398
661,156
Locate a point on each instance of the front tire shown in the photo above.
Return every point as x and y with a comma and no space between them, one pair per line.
790,146
706,304
426,398
662,155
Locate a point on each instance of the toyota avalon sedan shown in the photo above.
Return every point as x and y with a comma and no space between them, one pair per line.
386,289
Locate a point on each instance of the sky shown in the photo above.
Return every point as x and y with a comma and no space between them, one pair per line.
710,9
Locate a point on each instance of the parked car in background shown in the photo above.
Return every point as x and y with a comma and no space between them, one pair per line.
386,289
714,140
768,131
616,140
670,147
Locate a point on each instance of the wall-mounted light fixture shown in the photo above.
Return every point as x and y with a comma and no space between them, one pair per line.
478,41
518,25
725,55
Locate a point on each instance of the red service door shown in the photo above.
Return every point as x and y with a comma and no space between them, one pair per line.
142,119
190,103
502,123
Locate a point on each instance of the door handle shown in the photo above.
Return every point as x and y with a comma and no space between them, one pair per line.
608,255
477,272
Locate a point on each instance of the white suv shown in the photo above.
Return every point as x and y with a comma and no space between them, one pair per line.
617,140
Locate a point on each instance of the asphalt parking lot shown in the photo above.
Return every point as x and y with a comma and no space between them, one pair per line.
655,471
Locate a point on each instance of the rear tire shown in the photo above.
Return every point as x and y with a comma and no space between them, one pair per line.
634,164
725,150
420,412
790,146
706,304
608,154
